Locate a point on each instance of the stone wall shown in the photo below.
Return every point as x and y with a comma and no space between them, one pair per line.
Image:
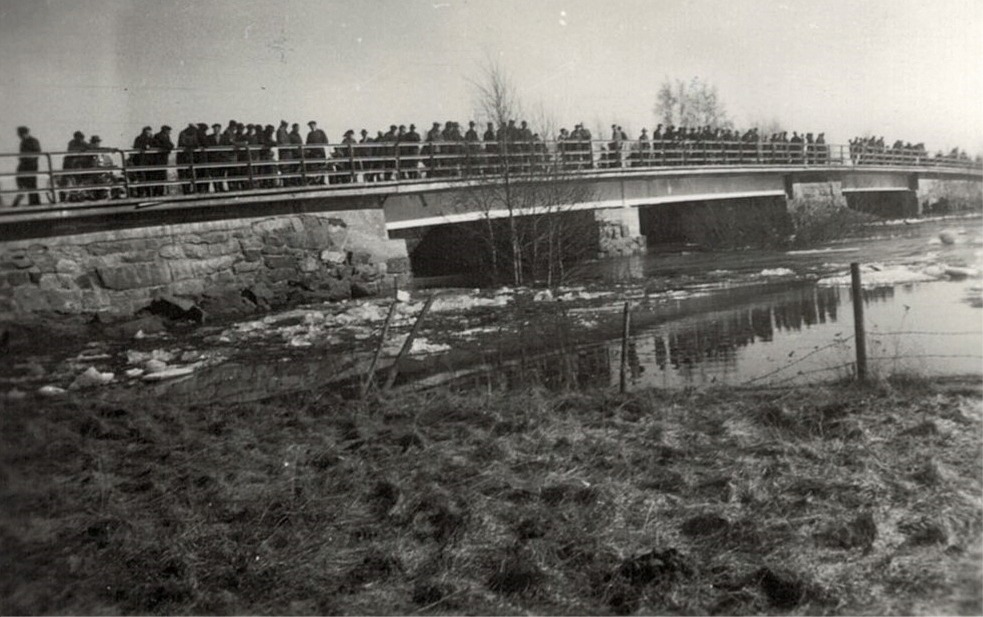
332,255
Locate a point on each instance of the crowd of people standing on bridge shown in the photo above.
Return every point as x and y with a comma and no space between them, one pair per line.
868,148
241,156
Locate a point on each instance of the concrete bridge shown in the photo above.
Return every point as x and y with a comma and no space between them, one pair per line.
116,252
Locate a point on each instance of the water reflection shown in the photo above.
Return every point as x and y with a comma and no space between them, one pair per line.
778,337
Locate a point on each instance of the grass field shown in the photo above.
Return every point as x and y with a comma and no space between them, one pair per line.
822,500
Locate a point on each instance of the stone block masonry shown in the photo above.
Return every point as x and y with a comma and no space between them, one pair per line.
119,272
619,232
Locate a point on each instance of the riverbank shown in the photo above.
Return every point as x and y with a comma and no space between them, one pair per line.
834,499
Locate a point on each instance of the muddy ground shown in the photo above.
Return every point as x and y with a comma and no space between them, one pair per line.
834,499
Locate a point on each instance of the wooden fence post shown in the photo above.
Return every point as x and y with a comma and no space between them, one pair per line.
623,382
407,344
858,321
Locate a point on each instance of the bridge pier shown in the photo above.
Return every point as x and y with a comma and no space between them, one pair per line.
619,232
938,196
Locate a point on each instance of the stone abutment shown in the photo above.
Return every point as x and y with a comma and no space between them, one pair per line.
333,255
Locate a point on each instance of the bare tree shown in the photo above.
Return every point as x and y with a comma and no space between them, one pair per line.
693,103
533,196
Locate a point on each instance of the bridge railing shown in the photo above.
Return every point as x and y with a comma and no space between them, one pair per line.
64,179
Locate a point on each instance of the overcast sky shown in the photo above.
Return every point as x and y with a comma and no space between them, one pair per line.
905,69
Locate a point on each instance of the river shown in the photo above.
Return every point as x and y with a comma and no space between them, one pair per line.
786,317
698,319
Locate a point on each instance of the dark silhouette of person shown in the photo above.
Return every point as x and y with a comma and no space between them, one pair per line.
28,181
163,144
187,142
316,136
214,144
141,158
297,152
410,153
77,144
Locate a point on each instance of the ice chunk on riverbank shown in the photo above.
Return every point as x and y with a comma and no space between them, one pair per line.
171,373
90,378
51,391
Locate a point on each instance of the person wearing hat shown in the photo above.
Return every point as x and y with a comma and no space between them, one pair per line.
163,144
187,141
30,147
199,157
316,136
77,144
408,151
214,144
295,139
100,159
141,158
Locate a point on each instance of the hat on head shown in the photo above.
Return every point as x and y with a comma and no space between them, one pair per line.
216,125
202,125
78,134
349,132
311,123
147,128
165,128
95,139
412,126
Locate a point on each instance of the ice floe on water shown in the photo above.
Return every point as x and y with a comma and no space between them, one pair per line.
878,275
849,249
777,272
458,301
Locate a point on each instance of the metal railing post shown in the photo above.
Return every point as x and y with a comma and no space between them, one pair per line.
192,171
398,171
249,167
126,176
303,165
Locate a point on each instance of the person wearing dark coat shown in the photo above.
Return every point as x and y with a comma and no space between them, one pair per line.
141,158
30,147
214,154
265,171
187,142
199,157
431,149
409,153
295,139
316,136
78,144
163,144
